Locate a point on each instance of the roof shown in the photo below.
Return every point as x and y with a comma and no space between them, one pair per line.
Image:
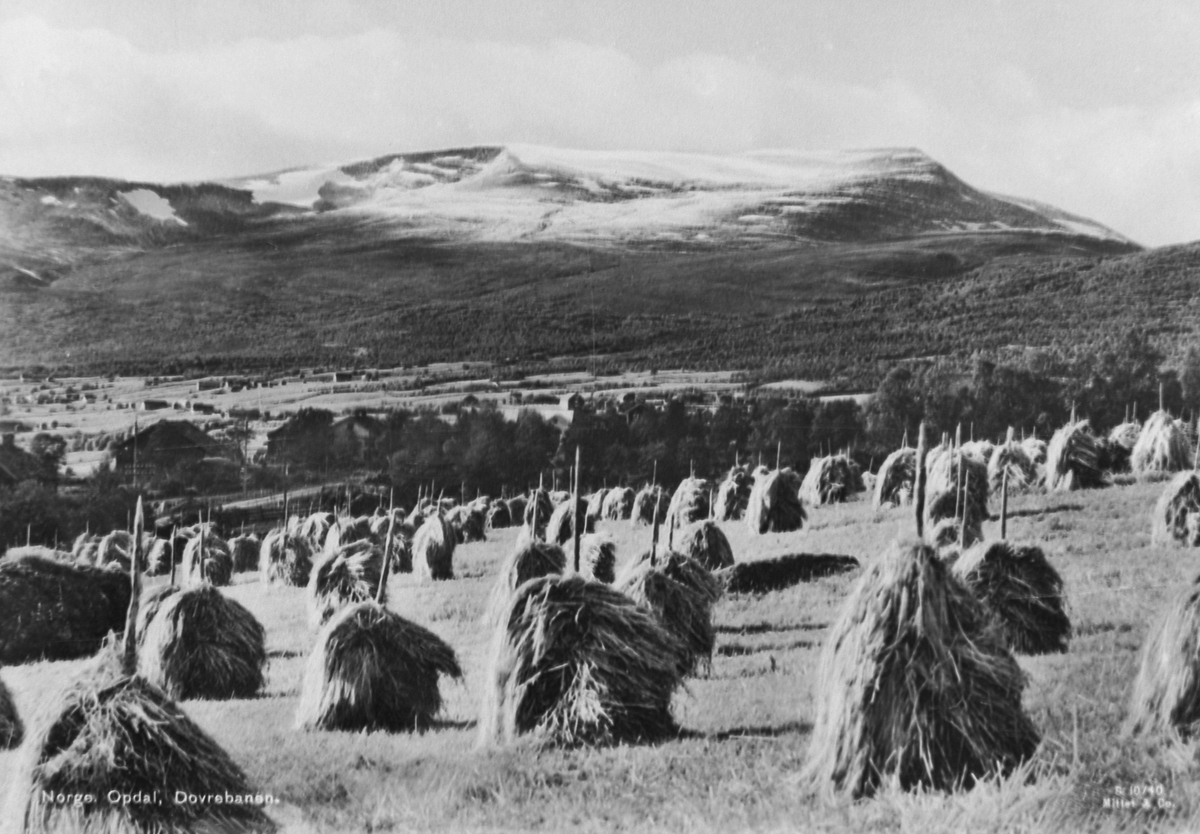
171,436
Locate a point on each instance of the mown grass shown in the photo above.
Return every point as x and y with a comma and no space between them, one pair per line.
746,725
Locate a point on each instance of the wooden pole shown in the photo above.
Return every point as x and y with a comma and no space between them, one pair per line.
200,549
919,487
174,536
778,452
1004,504
1160,397
129,661
962,522
387,549
577,525
957,460
654,530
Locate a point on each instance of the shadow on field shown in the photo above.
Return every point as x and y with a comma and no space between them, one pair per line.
763,628
285,654
742,649
783,572
1054,508
787,728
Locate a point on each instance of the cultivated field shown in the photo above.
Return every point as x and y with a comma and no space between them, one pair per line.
745,725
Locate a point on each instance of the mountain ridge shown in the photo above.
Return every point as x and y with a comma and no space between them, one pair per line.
517,252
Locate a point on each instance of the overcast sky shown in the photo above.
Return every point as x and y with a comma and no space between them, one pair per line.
1091,106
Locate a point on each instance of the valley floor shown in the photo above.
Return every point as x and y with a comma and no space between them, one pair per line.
745,725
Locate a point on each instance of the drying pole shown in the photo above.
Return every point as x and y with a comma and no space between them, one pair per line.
135,582
387,549
962,524
919,503
1004,505
577,525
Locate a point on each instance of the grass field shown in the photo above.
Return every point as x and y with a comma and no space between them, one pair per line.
746,725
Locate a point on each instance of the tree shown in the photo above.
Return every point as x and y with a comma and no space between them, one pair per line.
1189,380
50,449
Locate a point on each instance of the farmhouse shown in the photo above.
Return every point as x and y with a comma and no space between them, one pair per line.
353,436
160,447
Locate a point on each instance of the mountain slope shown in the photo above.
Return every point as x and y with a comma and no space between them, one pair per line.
514,253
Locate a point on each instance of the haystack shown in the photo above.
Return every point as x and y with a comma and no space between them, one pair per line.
681,593
374,670
1177,514
214,564
469,523
1166,694
618,504
561,527
763,575
1035,450
956,493
530,559
598,558
576,662
981,450
1121,440
1013,459
38,550
245,550
12,731
830,480
55,610
649,504
345,576
775,505
498,516
595,505
114,549
351,529
433,548
1073,459
288,558
915,685
705,543
1021,592
314,528
112,732
148,608
1161,447
516,510
537,512
558,496
159,557
83,551
894,481
201,644
733,495
689,504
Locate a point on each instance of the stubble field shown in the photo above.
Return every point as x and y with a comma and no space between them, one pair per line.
745,725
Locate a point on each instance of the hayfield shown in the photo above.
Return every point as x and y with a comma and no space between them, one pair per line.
745,726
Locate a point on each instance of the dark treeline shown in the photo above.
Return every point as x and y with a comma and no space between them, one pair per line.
39,514
471,448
